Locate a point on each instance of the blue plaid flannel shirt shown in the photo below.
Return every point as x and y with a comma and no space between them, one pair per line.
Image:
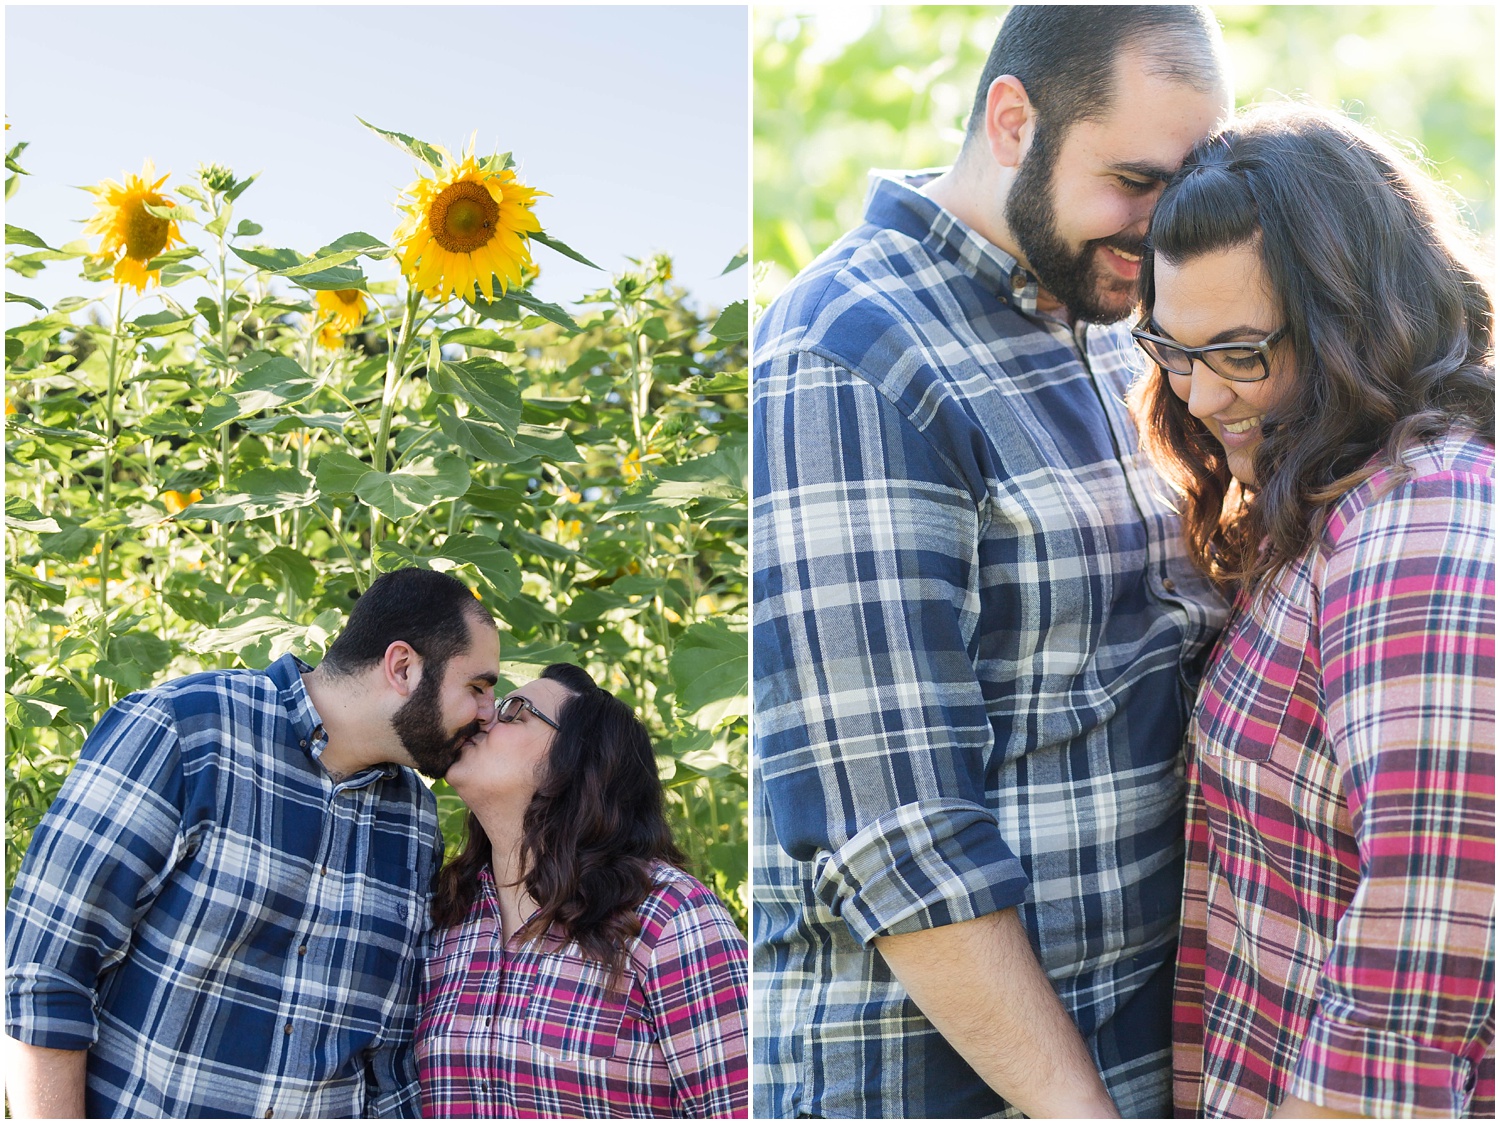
975,631
226,930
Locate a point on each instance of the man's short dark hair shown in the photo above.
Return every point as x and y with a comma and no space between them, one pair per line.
1064,54
430,611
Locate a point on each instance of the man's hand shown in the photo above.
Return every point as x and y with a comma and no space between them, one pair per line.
42,1083
980,984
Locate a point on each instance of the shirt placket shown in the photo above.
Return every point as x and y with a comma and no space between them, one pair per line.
316,956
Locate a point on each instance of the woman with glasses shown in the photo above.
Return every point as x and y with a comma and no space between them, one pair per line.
578,971
1323,400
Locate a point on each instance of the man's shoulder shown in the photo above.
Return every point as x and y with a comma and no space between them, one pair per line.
865,280
205,693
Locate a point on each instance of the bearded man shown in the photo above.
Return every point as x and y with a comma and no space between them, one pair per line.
974,624
220,913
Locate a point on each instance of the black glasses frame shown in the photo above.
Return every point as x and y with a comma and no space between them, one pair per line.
1158,348
521,703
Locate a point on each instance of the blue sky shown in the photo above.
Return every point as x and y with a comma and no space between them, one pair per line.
635,119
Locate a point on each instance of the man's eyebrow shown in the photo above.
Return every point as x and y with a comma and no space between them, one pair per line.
486,677
1144,170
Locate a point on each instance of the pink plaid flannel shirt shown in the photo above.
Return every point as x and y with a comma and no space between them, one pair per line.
531,1029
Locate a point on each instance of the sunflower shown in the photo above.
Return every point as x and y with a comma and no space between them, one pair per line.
127,226
344,309
464,227
177,502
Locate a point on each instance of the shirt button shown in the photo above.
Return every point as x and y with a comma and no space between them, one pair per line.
302,951
303,743
268,1114
287,1029
1169,585
323,870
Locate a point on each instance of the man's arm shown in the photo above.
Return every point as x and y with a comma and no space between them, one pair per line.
42,1083
980,984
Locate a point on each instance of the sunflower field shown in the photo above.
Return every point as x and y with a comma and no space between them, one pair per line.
211,483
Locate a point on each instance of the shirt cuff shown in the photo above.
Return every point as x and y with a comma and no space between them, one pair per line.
1371,1072
920,866
50,1009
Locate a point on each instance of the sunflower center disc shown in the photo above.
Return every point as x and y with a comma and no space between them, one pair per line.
463,217
347,296
145,234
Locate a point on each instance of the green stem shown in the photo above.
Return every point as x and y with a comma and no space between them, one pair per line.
394,368
101,691
227,379
338,537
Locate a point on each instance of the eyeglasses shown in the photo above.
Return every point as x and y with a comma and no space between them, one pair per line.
510,709
1237,362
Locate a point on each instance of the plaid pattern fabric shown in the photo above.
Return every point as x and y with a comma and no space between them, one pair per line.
533,1029
1338,922
223,928
973,623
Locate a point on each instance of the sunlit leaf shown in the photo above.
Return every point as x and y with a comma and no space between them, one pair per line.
410,145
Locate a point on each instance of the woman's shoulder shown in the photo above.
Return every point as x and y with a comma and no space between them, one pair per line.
1445,477
675,897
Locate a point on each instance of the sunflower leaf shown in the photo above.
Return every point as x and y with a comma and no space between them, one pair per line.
339,473
482,338
19,299
341,277
319,264
266,257
548,311
26,517
410,145
258,493
20,236
269,384
416,487
497,162
561,247
486,385
175,213
735,262
239,188
171,257
733,323
496,564
221,221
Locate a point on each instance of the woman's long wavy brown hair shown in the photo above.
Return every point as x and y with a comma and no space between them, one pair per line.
592,833
1390,324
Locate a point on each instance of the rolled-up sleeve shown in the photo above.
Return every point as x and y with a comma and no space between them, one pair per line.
94,864
872,733
1405,1005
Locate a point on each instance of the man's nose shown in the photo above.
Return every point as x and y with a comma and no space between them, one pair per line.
486,710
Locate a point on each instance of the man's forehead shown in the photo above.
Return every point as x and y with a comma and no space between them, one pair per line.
1149,134
479,660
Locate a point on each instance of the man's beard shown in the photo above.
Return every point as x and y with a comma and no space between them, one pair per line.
419,725
1079,280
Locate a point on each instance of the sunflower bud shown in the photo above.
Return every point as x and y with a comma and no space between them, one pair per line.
215,177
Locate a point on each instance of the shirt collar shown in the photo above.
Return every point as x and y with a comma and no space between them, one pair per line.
307,724
895,201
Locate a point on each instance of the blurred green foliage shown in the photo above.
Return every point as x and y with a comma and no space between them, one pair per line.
848,88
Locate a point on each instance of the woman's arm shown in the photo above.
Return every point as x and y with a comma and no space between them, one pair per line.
1407,645
697,987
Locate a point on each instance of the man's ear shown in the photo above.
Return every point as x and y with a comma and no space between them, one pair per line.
402,667
1009,120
